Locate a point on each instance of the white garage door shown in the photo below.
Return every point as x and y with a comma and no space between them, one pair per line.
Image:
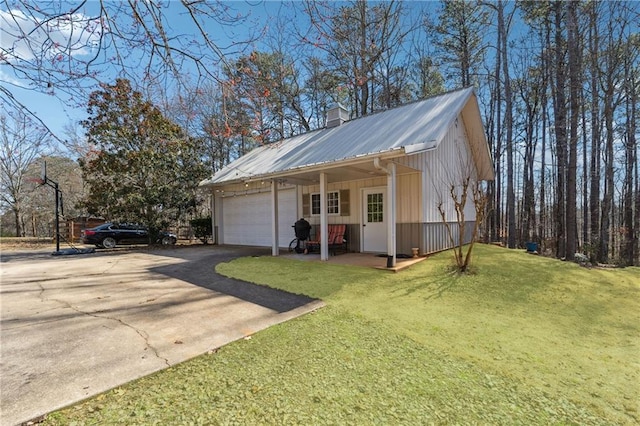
246,219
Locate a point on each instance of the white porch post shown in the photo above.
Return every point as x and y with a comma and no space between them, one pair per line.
426,189
324,218
220,217
214,240
391,212
274,218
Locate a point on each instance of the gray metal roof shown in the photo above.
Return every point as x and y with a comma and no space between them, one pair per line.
406,129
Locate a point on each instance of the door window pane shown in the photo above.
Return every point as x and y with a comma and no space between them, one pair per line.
375,208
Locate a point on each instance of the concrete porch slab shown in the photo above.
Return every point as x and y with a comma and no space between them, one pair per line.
368,260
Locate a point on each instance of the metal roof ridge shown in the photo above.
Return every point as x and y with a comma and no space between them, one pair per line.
381,111
417,101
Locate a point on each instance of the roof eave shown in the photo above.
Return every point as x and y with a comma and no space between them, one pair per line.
393,152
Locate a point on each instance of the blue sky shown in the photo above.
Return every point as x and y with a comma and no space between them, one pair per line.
58,111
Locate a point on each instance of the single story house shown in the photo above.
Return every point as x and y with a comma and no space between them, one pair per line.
382,175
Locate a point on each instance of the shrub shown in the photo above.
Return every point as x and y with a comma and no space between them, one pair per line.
202,229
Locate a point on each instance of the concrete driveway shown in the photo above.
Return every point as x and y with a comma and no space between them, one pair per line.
75,326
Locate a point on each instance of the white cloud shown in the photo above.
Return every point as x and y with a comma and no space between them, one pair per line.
27,38
12,80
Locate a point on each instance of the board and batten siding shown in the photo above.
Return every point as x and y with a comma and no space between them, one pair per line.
446,165
354,197
436,237
407,198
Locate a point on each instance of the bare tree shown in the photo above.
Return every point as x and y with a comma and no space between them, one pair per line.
593,43
575,82
611,75
462,24
629,252
355,37
558,88
212,114
504,22
22,142
39,211
66,48
461,193
321,90
424,72
529,89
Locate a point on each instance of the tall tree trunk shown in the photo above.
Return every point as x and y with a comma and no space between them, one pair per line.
18,219
607,199
363,81
542,220
542,232
527,181
636,236
560,115
491,231
630,239
594,163
508,123
530,94
611,67
33,225
585,179
497,158
574,96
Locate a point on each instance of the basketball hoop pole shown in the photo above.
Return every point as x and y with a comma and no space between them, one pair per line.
54,185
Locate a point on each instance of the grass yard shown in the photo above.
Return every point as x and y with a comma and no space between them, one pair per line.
524,340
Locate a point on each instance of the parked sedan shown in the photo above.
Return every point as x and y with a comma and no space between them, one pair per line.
109,235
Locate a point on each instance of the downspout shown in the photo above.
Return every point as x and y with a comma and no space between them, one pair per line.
390,170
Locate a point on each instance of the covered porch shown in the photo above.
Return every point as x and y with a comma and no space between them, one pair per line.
383,169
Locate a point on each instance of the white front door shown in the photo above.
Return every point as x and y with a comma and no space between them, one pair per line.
374,227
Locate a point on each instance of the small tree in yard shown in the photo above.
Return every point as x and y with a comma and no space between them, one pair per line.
460,197
461,183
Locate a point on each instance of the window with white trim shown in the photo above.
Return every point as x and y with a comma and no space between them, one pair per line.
333,203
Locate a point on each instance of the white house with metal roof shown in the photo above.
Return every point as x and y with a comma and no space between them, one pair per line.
382,175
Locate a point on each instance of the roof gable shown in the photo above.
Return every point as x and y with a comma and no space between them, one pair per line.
411,128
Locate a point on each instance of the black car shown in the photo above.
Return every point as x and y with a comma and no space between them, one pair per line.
109,235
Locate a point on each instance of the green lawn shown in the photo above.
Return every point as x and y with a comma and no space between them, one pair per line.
524,340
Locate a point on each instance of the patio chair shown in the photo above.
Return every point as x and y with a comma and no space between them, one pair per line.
336,241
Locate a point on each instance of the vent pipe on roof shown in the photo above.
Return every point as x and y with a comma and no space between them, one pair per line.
336,115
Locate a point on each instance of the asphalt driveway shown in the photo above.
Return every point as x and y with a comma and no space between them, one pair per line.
75,326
